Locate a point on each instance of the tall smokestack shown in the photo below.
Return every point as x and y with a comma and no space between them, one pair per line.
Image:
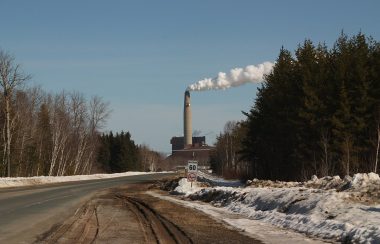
187,128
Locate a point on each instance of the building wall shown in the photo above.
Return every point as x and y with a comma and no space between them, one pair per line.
197,151
178,142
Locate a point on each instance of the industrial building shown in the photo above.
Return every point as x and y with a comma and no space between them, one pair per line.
187,147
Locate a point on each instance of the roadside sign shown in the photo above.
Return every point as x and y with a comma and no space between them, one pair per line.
192,171
191,177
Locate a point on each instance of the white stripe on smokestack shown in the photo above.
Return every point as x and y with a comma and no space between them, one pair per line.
236,77
187,128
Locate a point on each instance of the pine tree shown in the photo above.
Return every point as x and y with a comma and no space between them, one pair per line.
118,153
343,132
317,113
271,135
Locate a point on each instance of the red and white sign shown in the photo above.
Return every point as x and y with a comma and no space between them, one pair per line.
191,177
192,171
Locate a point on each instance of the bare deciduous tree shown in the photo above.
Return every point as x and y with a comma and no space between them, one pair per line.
59,123
98,113
226,157
11,77
149,159
80,128
43,133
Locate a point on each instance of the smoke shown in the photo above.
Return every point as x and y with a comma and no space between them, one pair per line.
236,77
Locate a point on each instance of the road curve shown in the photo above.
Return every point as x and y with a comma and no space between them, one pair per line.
26,212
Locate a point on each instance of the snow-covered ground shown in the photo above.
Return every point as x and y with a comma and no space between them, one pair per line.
217,181
330,208
38,180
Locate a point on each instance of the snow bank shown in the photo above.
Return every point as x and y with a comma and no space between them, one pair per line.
256,229
38,180
345,210
217,181
185,188
365,180
357,182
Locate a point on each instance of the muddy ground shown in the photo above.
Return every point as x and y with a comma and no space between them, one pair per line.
128,215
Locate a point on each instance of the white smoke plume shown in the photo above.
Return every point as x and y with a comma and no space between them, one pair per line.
236,77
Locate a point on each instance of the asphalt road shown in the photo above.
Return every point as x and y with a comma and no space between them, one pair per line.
26,212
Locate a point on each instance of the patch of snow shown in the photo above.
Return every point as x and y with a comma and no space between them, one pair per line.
217,181
186,188
364,180
256,229
38,180
330,208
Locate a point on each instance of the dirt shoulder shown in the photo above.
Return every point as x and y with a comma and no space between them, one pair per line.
128,215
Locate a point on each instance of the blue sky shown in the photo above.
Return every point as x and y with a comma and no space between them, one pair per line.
141,55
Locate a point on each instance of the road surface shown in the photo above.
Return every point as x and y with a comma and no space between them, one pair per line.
126,214
26,212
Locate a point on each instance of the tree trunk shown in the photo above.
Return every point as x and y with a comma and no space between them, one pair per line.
21,156
378,146
348,158
326,165
56,149
80,152
40,160
8,134
4,162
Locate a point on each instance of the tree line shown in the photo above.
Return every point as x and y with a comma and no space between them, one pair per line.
119,153
317,113
55,134
50,134
44,133
226,160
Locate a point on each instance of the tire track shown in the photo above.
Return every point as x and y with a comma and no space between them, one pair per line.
128,215
161,229
97,225
83,227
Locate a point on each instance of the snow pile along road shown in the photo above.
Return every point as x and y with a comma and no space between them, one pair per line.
344,210
38,180
217,181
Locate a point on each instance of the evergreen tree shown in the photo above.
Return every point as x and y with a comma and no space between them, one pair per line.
317,113
118,153
271,135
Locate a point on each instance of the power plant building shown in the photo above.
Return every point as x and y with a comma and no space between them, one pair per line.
187,147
